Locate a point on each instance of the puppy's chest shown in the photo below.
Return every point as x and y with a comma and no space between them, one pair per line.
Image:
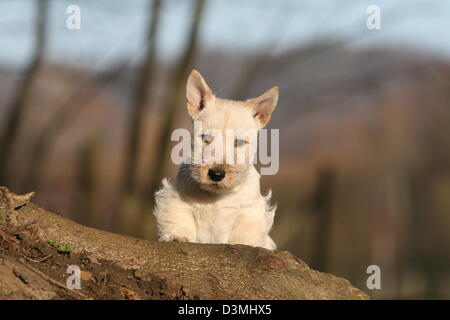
214,222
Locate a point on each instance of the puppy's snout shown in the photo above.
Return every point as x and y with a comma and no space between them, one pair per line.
216,174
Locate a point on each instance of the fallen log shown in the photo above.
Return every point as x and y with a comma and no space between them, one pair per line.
38,248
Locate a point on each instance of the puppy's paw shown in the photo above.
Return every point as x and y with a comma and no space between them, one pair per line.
172,238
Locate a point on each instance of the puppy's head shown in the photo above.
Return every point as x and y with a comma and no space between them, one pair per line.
226,133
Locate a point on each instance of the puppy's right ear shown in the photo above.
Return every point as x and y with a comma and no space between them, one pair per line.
198,94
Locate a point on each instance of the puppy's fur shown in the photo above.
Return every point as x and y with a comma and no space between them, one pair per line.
195,208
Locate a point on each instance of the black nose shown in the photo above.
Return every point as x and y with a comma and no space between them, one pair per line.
216,174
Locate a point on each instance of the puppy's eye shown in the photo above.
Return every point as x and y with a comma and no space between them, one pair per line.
239,142
206,138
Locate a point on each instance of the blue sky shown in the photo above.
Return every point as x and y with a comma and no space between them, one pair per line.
113,30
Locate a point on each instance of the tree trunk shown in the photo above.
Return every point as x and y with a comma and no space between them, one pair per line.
37,247
128,211
171,106
16,114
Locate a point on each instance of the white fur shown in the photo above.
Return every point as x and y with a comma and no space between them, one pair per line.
239,216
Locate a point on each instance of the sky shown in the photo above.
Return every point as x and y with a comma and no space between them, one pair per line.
114,30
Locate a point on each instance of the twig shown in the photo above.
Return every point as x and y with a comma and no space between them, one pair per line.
53,281
128,293
39,260
106,275
23,228
8,239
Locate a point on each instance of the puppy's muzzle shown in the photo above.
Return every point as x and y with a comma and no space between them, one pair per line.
216,174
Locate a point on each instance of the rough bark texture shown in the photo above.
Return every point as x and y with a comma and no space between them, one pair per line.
37,247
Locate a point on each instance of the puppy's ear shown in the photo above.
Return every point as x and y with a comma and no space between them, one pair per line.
198,93
264,105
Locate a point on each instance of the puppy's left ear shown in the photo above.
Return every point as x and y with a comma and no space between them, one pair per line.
264,105
198,94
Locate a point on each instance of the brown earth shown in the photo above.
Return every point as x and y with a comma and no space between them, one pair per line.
38,246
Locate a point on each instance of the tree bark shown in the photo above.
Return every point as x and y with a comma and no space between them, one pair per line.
38,246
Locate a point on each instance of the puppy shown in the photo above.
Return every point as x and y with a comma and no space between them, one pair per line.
214,201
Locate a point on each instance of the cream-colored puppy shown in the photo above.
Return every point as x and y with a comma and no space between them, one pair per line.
219,201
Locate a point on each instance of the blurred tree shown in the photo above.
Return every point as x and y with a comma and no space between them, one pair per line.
256,64
170,107
141,95
19,102
136,123
71,107
322,206
88,162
